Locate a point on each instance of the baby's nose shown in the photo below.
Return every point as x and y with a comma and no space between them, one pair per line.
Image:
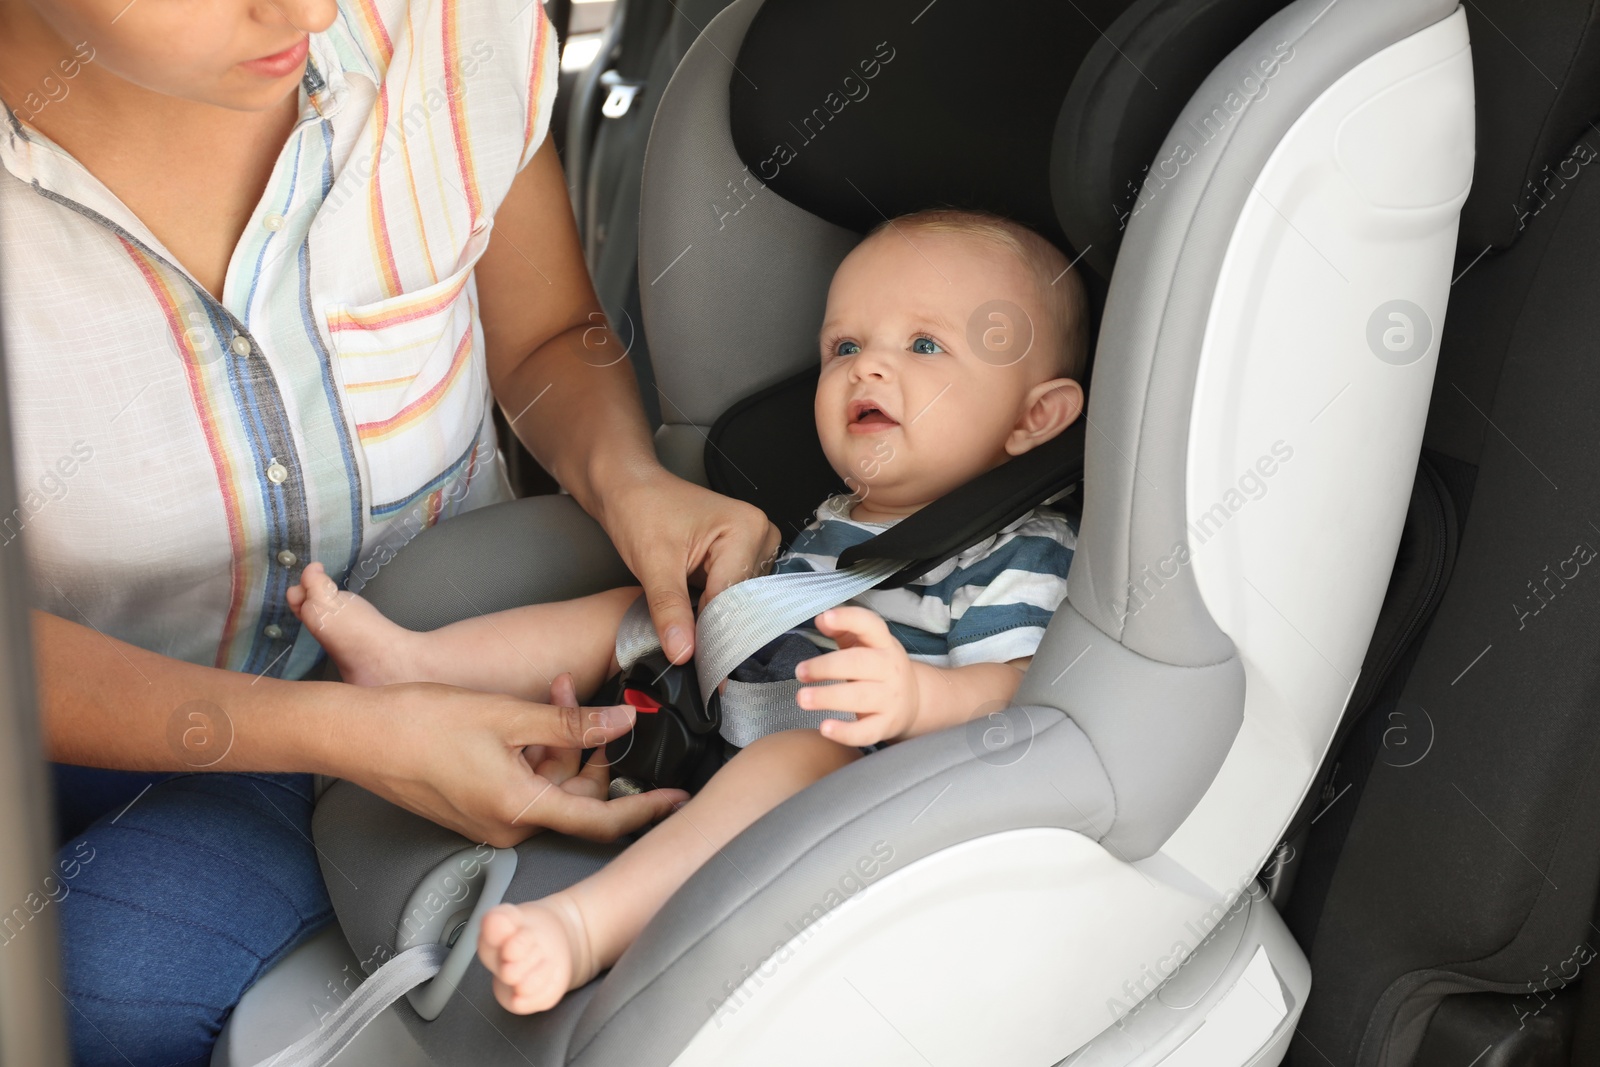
869,363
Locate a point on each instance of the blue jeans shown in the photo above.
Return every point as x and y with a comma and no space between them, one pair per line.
175,900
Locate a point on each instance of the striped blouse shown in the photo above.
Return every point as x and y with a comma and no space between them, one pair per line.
990,604
180,458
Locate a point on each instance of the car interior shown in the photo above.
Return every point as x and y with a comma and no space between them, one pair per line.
1304,770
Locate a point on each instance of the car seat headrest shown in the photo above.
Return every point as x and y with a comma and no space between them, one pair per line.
906,105
834,135
1124,100
1543,61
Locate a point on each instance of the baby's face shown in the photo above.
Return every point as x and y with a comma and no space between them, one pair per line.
908,408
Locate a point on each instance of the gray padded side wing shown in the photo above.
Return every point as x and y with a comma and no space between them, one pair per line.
732,296
1161,731
1156,315
916,798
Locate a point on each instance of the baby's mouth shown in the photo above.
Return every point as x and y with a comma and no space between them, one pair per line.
865,416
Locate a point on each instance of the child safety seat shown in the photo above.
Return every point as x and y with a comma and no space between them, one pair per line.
1072,879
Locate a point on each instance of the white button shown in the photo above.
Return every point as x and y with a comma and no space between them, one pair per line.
277,472
272,630
287,558
240,345
273,221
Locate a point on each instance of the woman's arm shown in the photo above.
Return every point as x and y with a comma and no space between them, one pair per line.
558,372
570,394
106,703
451,755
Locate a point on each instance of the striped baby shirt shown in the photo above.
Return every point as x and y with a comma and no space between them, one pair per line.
182,457
990,604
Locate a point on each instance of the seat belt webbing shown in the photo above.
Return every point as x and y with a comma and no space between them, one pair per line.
742,619
371,999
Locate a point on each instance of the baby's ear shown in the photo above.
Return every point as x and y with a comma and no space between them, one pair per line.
1050,407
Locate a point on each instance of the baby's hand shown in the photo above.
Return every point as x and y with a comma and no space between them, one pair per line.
878,683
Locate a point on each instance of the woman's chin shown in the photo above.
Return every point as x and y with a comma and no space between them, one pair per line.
238,90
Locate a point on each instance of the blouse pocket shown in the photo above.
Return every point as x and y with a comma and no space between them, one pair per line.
415,381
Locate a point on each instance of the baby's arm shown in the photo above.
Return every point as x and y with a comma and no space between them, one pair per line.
892,696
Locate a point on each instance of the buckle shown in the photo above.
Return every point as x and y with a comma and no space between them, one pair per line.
620,98
640,701
674,741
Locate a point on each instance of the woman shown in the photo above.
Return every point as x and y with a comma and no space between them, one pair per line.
266,265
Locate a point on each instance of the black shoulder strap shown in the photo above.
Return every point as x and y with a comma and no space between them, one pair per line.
966,515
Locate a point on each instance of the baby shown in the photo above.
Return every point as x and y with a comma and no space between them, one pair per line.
951,342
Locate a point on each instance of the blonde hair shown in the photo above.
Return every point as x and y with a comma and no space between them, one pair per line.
1060,288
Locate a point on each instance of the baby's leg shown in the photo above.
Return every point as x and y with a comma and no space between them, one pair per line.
540,949
518,652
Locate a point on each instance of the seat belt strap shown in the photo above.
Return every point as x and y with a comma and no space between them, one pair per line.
371,999
739,622
636,635
751,710
744,617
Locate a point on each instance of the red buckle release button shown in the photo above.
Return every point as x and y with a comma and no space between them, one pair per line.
641,700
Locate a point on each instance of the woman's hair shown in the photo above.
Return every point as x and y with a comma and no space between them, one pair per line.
1061,290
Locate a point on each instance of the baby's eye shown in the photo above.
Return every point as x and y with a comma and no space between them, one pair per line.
925,346
847,348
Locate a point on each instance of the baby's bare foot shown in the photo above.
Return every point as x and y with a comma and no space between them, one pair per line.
368,648
536,952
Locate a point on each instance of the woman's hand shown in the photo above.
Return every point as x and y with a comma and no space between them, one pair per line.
460,758
564,767
877,680
668,531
